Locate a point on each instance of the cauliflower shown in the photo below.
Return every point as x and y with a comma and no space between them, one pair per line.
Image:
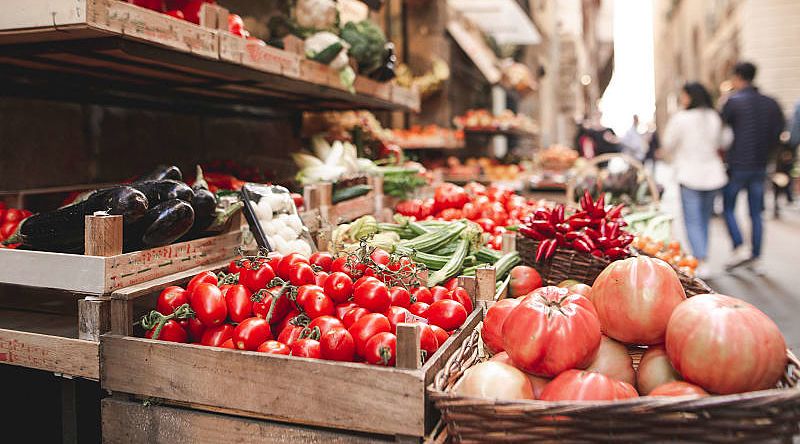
316,14
326,47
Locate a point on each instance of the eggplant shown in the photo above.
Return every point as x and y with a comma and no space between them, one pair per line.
62,230
204,203
163,172
158,191
167,222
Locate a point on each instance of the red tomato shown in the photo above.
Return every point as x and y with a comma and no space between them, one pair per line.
195,329
204,277
14,215
171,331
451,214
274,348
613,361
537,383
441,334
461,296
298,200
251,333
475,189
364,280
353,315
708,335
374,296
447,314
577,385
337,344
240,307
171,298
277,327
321,278
655,370
422,294
237,265
439,293
301,274
307,348
262,301
325,323
315,303
448,195
492,332
486,224
428,340
451,284
287,262
396,315
381,349
7,229
551,330
366,327
228,344
400,297
340,265
208,304
155,5
524,279
496,243
322,259
678,388
216,335
419,309
339,287
258,278
343,308
470,211
289,334
380,257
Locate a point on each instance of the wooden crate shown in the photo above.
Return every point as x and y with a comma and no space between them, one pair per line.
256,55
104,270
319,197
335,395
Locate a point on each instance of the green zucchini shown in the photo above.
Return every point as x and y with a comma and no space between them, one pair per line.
432,241
344,194
453,265
327,55
504,265
488,255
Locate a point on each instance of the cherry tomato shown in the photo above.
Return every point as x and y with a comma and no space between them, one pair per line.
397,264
366,327
228,344
287,262
486,224
278,327
208,304
322,259
380,257
451,284
237,265
374,296
364,280
337,344
321,278
381,349
441,334
240,307
171,298
428,340
274,348
307,348
343,308
496,243
400,297
339,287
447,314
325,323
290,334
461,296
396,315
301,274
258,278
195,328
251,333
314,303
419,309
171,332
422,294
340,265
439,293
204,277
216,335
353,315
14,215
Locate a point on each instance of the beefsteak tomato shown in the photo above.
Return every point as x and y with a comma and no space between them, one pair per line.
578,385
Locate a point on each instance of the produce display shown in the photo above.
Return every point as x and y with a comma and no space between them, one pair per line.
10,219
427,136
276,213
343,308
158,209
570,343
482,119
556,158
483,167
596,229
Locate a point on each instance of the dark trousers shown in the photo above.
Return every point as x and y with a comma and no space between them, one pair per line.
753,182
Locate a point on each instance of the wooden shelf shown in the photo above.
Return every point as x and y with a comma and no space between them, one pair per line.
488,132
432,147
113,52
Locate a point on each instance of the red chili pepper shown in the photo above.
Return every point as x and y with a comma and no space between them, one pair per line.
603,230
597,253
551,249
599,211
615,212
577,224
560,238
625,240
579,215
543,227
586,201
541,249
585,238
542,214
582,246
592,233
616,253
528,231
614,243
602,242
622,222
612,229
571,236
563,228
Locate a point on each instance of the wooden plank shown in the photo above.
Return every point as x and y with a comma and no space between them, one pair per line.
127,422
22,14
408,346
102,235
56,354
94,318
509,242
158,284
352,209
71,272
345,395
369,87
122,317
486,283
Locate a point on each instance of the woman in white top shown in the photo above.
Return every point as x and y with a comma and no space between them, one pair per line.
692,141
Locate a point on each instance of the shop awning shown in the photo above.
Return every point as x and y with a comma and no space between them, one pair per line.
504,20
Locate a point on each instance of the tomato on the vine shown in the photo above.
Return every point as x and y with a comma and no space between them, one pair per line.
251,333
228,344
364,280
314,303
280,323
353,315
380,256
428,340
396,315
343,308
301,274
325,323
208,304
419,309
256,278
380,349
340,265
366,327
322,259
374,296
216,335
400,297
240,307
439,293
237,265
204,277
195,328
171,298
171,331
287,262
447,314
337,344
321,278
461,296
422,294
451,284
274,348
306,348
289,334
339,287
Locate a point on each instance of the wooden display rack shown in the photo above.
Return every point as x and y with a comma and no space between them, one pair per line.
187,379
319,197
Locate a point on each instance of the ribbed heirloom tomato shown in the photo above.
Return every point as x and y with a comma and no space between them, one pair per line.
678,388
614,361
577,385
551,330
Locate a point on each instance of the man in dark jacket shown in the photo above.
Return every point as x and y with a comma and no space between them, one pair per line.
757,122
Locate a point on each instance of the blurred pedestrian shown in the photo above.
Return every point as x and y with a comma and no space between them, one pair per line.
781,178
633,143
653,145
757,122
691,141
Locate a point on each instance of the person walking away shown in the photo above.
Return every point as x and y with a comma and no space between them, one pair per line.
757,122
691,141
653,145
633,143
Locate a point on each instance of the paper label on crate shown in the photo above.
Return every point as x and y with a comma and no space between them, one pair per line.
414,319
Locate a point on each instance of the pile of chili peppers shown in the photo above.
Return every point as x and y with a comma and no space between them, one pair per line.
595,229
